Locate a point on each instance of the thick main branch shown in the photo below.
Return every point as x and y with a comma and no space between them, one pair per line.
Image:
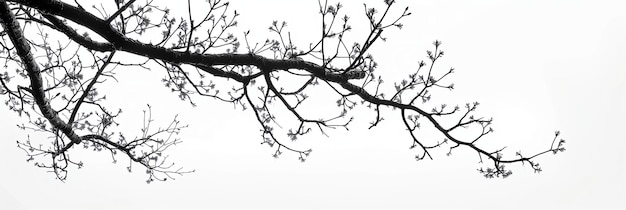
123,43
13,29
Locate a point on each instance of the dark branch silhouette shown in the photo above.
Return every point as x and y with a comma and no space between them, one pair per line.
55,85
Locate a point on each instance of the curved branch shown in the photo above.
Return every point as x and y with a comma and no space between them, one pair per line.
12,27
123,43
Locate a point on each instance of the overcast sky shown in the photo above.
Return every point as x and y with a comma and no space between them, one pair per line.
535,66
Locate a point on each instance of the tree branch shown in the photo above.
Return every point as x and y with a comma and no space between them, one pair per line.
12,27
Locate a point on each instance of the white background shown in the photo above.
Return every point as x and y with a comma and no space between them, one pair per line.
535,66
